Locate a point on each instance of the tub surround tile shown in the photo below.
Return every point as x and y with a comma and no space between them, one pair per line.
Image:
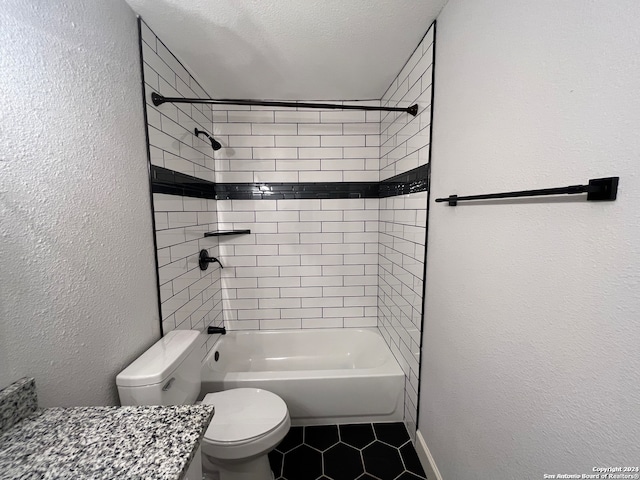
151,442
17,402
412,181
405,150
380,451
170,182
182,175
340,197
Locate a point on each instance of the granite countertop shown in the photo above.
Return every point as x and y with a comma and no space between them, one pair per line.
146,442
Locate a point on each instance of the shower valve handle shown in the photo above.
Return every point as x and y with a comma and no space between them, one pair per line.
204,260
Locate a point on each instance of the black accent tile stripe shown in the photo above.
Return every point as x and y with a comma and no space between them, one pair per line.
174,183
277,191
413,181
171,182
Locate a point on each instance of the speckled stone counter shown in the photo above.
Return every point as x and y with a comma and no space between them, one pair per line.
153,442
17,401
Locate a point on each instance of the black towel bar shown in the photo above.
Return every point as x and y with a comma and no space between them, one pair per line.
597,189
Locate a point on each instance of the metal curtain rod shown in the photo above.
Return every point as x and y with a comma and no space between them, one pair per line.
598,189
160,99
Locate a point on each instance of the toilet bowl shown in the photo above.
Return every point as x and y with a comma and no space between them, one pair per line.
247,423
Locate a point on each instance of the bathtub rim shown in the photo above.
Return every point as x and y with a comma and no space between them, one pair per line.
390,365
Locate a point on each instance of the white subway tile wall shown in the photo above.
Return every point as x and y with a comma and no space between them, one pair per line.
190,298
404,139
302,145
306,263
404,145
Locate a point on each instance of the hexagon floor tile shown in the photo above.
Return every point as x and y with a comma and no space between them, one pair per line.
379,451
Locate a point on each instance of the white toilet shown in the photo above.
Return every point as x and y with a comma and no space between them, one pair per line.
247,424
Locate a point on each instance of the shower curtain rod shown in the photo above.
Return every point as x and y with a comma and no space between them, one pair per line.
160,99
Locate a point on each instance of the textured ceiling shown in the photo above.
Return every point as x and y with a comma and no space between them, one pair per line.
291,49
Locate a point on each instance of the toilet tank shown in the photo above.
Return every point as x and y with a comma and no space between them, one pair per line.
168,373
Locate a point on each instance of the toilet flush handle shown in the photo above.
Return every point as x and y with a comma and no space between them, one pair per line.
167,385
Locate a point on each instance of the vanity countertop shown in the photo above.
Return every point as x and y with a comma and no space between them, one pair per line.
146,442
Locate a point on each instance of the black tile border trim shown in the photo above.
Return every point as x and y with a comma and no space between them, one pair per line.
174,183
171,182
311,190
413,181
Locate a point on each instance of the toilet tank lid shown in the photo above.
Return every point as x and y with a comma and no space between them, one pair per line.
160,360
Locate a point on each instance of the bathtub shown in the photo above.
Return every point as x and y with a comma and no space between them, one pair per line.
325,376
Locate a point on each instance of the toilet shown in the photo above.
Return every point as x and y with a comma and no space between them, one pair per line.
247,423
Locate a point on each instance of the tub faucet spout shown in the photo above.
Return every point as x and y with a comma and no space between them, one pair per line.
220,330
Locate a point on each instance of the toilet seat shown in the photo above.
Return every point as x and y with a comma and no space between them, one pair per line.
242,415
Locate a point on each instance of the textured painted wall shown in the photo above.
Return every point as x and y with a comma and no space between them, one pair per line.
77,281
530,358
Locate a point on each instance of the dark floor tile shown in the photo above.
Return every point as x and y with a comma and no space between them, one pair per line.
392,433
410,476
382,461
342,462
357,435
302,463
321,436
360,452
410,459
275,461
291,441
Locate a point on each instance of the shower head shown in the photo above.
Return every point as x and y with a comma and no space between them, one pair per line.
214,143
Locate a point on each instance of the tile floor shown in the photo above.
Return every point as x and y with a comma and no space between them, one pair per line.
368,451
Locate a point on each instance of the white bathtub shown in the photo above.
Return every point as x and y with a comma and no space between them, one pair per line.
326,376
